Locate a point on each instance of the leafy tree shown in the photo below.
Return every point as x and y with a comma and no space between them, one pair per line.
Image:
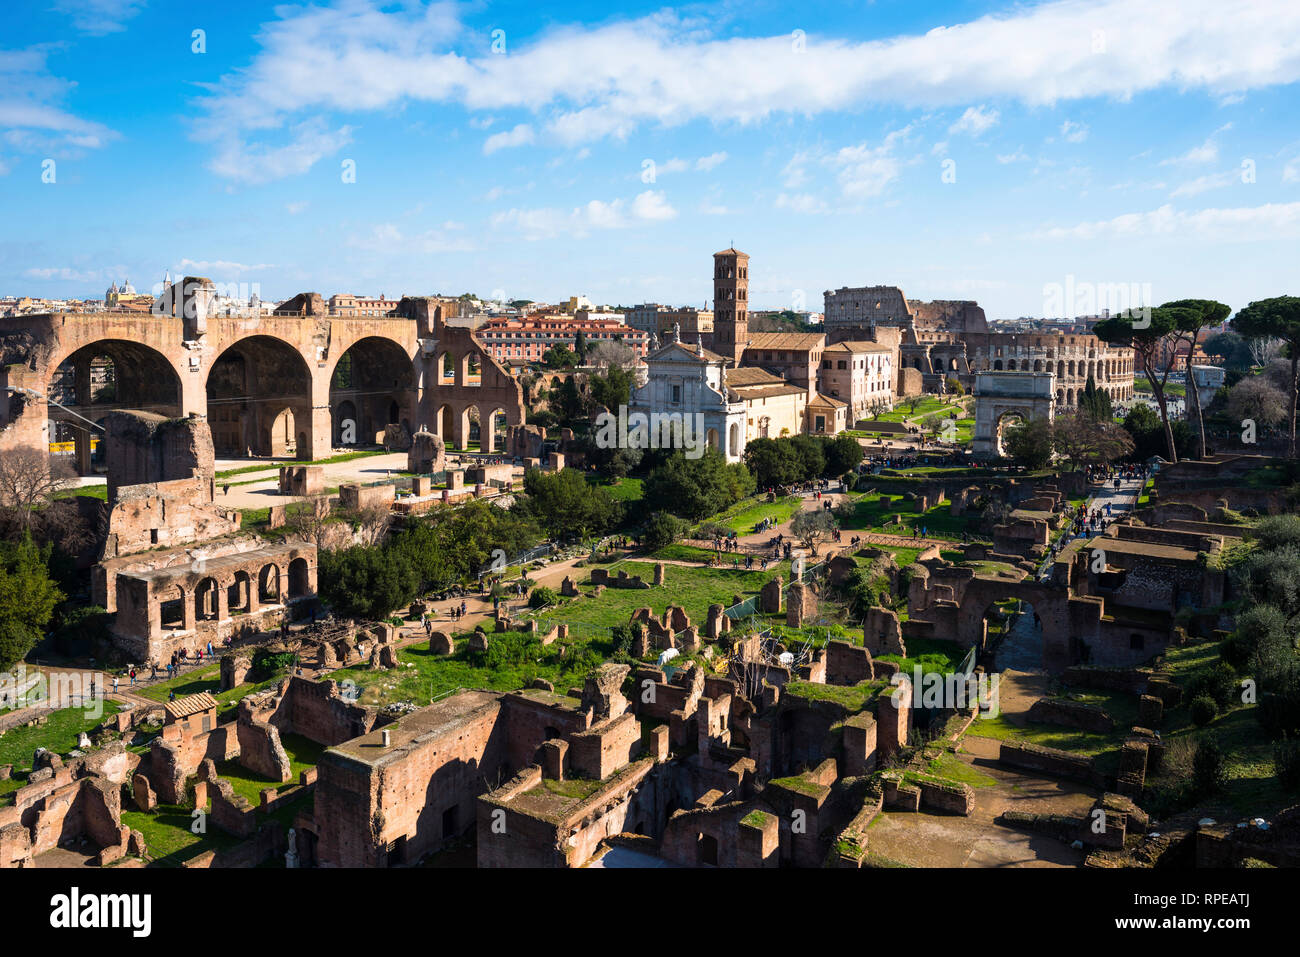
1277,318
1209,766
843,454
811,527
1154,335
662,529
1194,317
1082,440
560,357
1144,425
366,582
773,462
812,457
28,597
543,597
1029,443
612,389
566,505
696,488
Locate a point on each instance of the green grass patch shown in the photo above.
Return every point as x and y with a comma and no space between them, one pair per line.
58,734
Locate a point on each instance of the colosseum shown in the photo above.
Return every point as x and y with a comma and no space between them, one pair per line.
953,339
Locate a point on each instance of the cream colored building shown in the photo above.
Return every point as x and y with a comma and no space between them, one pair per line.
858,374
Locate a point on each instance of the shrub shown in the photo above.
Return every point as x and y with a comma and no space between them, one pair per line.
662,529
1209,766
1218,682
267,663
1204,710
543,597
1286,762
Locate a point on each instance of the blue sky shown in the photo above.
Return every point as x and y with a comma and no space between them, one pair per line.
959,150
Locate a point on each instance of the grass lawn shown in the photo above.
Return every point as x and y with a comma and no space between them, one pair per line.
953,768
58,734
695,589
431,675
930,655
168,836
205,678
268,466
1104,746
743,516
84,491
303,754
873,510
623,490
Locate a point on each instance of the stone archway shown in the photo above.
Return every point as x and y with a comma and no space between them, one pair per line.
250,386
1028,395
373,385
96,379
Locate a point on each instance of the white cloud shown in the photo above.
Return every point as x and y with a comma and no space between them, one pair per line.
260,163
1073,132
544,223
1207,152
294,209
801,203
652,205
389,239
31,117
1019,156
1240,224
975,121
521,135
357,57
218,266
712,161
939,149
1208,182
1291,172
99,16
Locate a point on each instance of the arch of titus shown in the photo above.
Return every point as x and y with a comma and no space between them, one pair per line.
1002,395
285,384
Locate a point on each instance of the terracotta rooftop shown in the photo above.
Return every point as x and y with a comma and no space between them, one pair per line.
751,375
798,341
190,704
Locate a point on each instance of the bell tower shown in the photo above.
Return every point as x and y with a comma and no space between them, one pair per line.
730,303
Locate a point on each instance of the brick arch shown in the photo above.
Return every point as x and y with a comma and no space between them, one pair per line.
376,381
249,385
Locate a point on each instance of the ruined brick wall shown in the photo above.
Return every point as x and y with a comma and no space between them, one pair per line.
847,664
317,711
399,809
530,720
605,748
260,749
143,448
167,513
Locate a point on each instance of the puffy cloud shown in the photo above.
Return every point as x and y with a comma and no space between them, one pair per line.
975,121
1239,224
357,56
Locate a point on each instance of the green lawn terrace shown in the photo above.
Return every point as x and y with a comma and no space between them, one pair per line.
206,678
893,514
744,516
169,829
58,733
515,660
